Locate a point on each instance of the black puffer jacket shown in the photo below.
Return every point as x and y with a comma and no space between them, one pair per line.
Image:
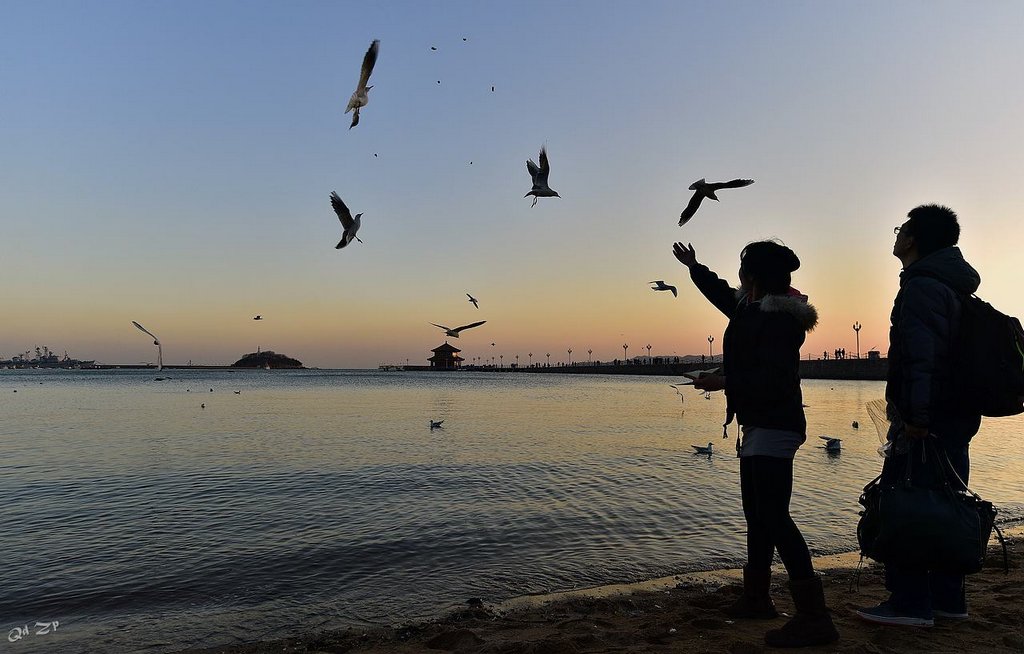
761,352
924,323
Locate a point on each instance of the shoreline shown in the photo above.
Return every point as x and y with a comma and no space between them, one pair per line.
681,613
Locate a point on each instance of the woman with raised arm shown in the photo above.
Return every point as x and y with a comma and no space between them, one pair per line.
768,321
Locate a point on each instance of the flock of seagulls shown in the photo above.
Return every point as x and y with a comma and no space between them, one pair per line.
539,174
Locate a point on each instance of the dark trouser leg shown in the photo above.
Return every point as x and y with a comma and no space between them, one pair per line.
767,486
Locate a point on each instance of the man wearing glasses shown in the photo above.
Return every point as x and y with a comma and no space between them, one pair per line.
925,317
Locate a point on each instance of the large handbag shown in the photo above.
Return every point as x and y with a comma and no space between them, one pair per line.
935,524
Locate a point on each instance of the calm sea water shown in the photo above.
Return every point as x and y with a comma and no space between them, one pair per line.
141,521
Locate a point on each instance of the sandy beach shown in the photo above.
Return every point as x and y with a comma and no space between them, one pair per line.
682,614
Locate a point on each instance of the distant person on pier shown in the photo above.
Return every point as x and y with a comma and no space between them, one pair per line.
768,322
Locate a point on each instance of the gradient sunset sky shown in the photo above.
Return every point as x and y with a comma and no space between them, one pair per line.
171,162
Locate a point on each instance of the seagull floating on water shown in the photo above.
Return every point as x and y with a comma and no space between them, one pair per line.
454,333
832,444
710,449
702,189
473,299
659,285
436,424
359,97
350,224
540,178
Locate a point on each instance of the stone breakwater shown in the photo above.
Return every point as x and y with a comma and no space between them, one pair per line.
864,369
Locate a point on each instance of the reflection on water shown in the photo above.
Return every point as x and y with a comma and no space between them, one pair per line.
315,499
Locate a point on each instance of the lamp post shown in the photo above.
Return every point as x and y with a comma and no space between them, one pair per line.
549,359
589,352
517,362
501,358
531,359
625,350
570,355
711,352
648,353
856,328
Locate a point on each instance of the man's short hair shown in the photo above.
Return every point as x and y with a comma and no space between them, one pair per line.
933,227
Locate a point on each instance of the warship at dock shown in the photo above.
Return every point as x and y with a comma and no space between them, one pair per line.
44,359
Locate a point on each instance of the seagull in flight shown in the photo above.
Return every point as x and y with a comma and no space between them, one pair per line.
709,450
702,189
662,286
454,333
473,300
540,178
694,375
359,97
350,224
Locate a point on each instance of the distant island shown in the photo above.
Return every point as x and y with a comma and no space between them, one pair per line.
266,359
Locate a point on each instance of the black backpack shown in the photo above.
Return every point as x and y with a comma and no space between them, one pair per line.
988,358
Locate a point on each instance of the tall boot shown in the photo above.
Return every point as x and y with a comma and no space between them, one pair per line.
755,602
812,625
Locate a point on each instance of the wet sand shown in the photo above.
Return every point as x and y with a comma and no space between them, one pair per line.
682,614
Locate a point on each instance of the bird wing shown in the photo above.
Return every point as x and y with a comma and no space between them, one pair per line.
344,215
441,326
736,183
369,59
675,293
469,326
532,168
691,208
355,118
545,167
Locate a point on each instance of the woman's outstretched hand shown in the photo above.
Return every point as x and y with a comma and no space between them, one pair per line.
685,253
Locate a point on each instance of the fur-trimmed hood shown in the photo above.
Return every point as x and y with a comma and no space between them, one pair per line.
793,302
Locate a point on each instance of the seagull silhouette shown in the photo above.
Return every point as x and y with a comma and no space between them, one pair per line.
832,444
258,318
454,333
694,375
710,449
359,97
540,178
702,189
436,424
662,286
473,300
350,224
